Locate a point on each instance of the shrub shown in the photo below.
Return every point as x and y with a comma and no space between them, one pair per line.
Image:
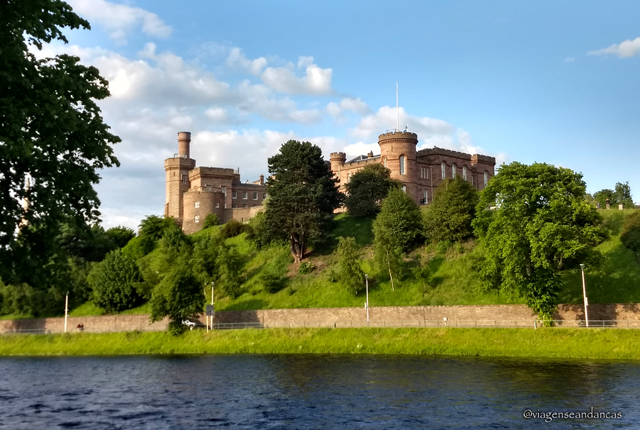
349,272
232,228
630,236
114,282
453,208
367,188
178,296
272,282
306,267
211,220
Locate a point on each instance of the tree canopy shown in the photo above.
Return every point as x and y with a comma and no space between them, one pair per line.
541,225
367,188
302,196
621,194
451,212
53,139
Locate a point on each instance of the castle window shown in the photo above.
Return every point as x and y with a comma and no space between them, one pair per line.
234,194
425,197
255,195
264,196
453,171
197,205
184,179
218,205
244,205
224,191
348,177
464,172
402,165
234,206
384,161
404,188
443,168
196,219
244,195
486,178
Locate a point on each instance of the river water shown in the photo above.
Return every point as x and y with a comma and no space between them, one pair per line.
314,392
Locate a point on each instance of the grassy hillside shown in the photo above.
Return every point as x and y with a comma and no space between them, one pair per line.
451,280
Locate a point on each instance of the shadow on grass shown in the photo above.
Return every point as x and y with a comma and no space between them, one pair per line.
246,305
613,221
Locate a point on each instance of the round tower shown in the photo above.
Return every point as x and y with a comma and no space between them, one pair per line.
184,144
399,154
337,161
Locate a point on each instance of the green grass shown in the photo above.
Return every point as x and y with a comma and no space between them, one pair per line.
551,343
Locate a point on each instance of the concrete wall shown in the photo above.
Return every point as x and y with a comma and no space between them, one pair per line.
96,324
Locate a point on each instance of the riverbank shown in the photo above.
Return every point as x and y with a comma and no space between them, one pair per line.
615,344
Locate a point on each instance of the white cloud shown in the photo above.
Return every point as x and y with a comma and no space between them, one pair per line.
237,60
569,59
347,104
120,19
626,49
217,115
374,124
317,81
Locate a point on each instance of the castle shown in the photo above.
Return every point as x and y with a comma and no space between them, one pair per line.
420,172
194,192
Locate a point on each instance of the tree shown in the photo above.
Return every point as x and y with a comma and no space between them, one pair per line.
451,212
302,196
542,225
53,139
349,272
623,194
211,220
367,188
603,195
114,282
120,235
178,296
630,236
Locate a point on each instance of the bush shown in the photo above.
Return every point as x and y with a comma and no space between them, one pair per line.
349,272
306,267
272,282
178,296
453,208
630,236
211,220
114,282
233,228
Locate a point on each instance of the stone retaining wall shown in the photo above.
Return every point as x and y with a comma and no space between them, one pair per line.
327,316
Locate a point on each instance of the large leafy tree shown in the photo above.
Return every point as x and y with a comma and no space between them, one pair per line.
53,139
541,225
115,281
302,196
349,271
451,212
367,188
620,194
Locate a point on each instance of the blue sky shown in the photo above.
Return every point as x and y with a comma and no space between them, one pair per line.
527,81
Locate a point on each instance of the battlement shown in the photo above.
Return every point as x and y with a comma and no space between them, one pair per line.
397,135
441,151
477,158
338,156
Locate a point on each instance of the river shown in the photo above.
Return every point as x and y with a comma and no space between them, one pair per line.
314,392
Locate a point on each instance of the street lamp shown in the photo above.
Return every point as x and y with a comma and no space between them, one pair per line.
66,311
584,294
366,305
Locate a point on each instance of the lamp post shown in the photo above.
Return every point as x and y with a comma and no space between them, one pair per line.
66,311
366,305
584,294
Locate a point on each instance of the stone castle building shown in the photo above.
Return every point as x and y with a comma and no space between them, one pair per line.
194,192
420,172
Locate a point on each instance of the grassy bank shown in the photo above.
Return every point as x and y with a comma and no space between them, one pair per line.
549,343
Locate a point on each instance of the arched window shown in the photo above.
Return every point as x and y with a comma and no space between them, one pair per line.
443,167
486,178
384,161
402,164
464,172
425,197
348,177
404,188
453,171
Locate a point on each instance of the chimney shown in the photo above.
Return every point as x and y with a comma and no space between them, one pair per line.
261,179
184,143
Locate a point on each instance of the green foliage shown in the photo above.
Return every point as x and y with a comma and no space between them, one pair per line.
302,196
306,267
211,220
399,221
120,235
178,296
272,282
603,195
630,236
228,273
204,258
349,272
53,140
443,246
451,212
258,232
114,282
91,243
367,188
620,195
233,228
542,225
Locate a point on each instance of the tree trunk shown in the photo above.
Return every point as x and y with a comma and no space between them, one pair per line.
298,247
390,275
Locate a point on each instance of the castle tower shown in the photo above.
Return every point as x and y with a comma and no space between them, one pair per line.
398,154
337,161
177,177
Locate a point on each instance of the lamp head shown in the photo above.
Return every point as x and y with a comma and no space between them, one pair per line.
582,267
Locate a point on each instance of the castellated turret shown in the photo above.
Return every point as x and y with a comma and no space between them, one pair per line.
398,154
337,161
177,182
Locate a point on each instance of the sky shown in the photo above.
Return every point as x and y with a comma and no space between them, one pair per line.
556,82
